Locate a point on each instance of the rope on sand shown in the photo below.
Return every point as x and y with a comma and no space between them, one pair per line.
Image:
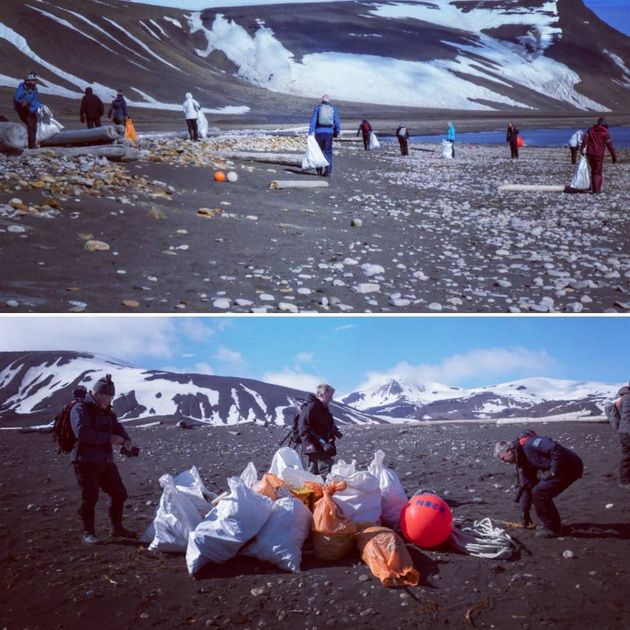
483,539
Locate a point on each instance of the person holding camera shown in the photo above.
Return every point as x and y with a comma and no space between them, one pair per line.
544,470
98,431
318,431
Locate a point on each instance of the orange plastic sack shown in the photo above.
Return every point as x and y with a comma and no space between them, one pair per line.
269,485
333,531
317,488
385,553
130,131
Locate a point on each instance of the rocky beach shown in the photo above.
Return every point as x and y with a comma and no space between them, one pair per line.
51,580
384,234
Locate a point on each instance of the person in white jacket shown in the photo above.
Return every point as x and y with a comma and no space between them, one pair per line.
191,112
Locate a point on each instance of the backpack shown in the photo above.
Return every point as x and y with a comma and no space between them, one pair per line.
612,413
294,434
326,115
365,127
63,433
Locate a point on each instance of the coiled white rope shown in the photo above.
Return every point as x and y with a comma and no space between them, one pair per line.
483,539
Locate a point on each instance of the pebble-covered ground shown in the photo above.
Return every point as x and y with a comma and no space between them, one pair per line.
390,234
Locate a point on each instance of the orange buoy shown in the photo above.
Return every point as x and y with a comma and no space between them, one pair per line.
219,176
426,520
519,141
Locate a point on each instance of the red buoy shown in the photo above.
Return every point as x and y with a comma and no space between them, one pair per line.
426,520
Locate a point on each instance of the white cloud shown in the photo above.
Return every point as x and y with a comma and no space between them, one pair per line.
227,355
476,364
304,357
289,377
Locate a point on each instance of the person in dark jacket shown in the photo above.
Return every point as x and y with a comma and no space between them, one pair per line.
402,133
118,109
623,405
594,144
26,103
98,431
92,109
318,431
512,138
325,126
558,466
365,129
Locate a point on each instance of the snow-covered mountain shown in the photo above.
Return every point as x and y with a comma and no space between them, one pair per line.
35,385
552,55
532,397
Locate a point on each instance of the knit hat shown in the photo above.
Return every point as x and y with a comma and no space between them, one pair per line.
31,76
104,385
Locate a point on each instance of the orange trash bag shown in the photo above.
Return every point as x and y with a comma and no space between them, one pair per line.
317,488
384,551
269,485
130,131
333,531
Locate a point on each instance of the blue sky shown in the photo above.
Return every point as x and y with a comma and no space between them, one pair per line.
349,352
613,12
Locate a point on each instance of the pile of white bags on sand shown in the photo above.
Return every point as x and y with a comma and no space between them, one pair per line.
268,518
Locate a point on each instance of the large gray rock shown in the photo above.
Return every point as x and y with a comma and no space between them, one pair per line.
12,136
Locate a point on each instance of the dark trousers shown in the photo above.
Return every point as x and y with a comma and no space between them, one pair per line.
597,166
318,466
193,132
93,122
514,148
366,140
404,145
624,468
325,142
574,152
30,120
544,492
95,477
452,147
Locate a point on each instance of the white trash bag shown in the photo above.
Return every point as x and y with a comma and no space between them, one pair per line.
313,158
361,500
202,124
190,482
47,126
285,457
393,495
281,539
373,143
447,150
235,520
582,176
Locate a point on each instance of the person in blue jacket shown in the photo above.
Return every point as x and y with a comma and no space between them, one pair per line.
326,126
544,470
97,430
118,109
450,136
26,103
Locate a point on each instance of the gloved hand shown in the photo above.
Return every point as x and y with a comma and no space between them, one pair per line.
337,433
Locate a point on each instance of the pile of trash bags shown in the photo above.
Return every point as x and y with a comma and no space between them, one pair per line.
270,518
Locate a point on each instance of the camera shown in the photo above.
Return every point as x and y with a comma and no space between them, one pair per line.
134,451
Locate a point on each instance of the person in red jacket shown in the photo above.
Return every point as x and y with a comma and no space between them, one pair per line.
594,144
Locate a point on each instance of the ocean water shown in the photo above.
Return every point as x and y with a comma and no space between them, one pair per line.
531,138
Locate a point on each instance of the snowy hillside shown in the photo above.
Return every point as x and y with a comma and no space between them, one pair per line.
534,397
445,54
38,384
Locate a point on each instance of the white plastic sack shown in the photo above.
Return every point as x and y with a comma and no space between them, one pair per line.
447,150
174,519
284,458
47,126
393,495
361,500
235,520
281,539
190,483
374,143
582,176
202,124
313,158
249,475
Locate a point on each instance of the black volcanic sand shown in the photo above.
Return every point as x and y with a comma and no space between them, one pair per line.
51,580
390,234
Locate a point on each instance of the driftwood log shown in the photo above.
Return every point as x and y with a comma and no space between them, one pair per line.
76,137
276,184
530,187
113,152
12,136
285,159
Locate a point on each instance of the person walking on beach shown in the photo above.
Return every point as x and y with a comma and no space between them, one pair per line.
325,126
450,137
402,133
512,139
365,129
620,421
191,113
98,430
118,109
92,109
594,145
318,431
558,466
26,103
574,144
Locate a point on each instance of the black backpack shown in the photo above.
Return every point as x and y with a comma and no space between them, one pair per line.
294,434
63,433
